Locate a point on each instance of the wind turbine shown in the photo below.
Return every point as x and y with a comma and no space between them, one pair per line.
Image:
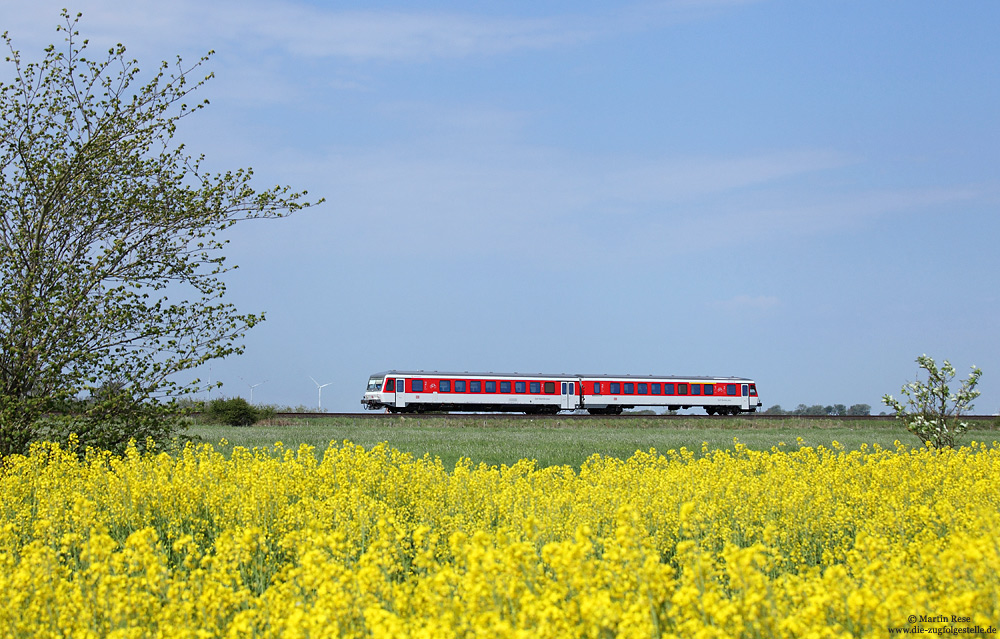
253,386
319,389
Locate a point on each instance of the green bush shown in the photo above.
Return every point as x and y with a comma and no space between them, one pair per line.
234,411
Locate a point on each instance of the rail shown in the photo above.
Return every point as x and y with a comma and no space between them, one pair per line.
582,417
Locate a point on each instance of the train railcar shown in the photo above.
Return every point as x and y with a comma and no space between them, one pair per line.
423,391
612,394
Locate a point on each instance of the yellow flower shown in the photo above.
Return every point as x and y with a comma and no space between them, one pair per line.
816,541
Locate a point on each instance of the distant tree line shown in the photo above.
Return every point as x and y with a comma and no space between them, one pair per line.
817,409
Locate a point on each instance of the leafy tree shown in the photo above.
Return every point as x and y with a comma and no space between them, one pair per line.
859,410
931,410
103,215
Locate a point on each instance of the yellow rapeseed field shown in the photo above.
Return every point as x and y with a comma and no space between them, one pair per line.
792,542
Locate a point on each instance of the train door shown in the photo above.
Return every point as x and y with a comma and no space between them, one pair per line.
400,389
568,395
745,402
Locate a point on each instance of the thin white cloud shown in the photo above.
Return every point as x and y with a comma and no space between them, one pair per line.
304,30
399,36
504,199
678,179
323,31
821,212
418,35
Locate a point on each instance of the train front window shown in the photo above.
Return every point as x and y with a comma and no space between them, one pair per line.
375,384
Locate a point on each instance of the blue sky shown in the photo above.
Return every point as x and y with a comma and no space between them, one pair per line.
805,193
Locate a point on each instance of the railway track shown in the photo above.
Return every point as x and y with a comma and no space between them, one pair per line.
578,417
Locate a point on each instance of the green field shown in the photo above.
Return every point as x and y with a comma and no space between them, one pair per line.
497,440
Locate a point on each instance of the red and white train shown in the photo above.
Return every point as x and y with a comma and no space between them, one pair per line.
421,391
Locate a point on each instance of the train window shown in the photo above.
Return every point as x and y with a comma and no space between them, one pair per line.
550,388
504,387
730,389
696,389
616,388
535,387
444,386
744,390
390,385
417,386
643,389
668,389
562,388
572,388
709,389
597,388
682,389
655,389
491,387
753,390
629,388
475,386
401,385
519,387
459,385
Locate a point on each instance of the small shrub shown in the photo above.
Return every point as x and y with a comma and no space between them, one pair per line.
234,411
931,410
